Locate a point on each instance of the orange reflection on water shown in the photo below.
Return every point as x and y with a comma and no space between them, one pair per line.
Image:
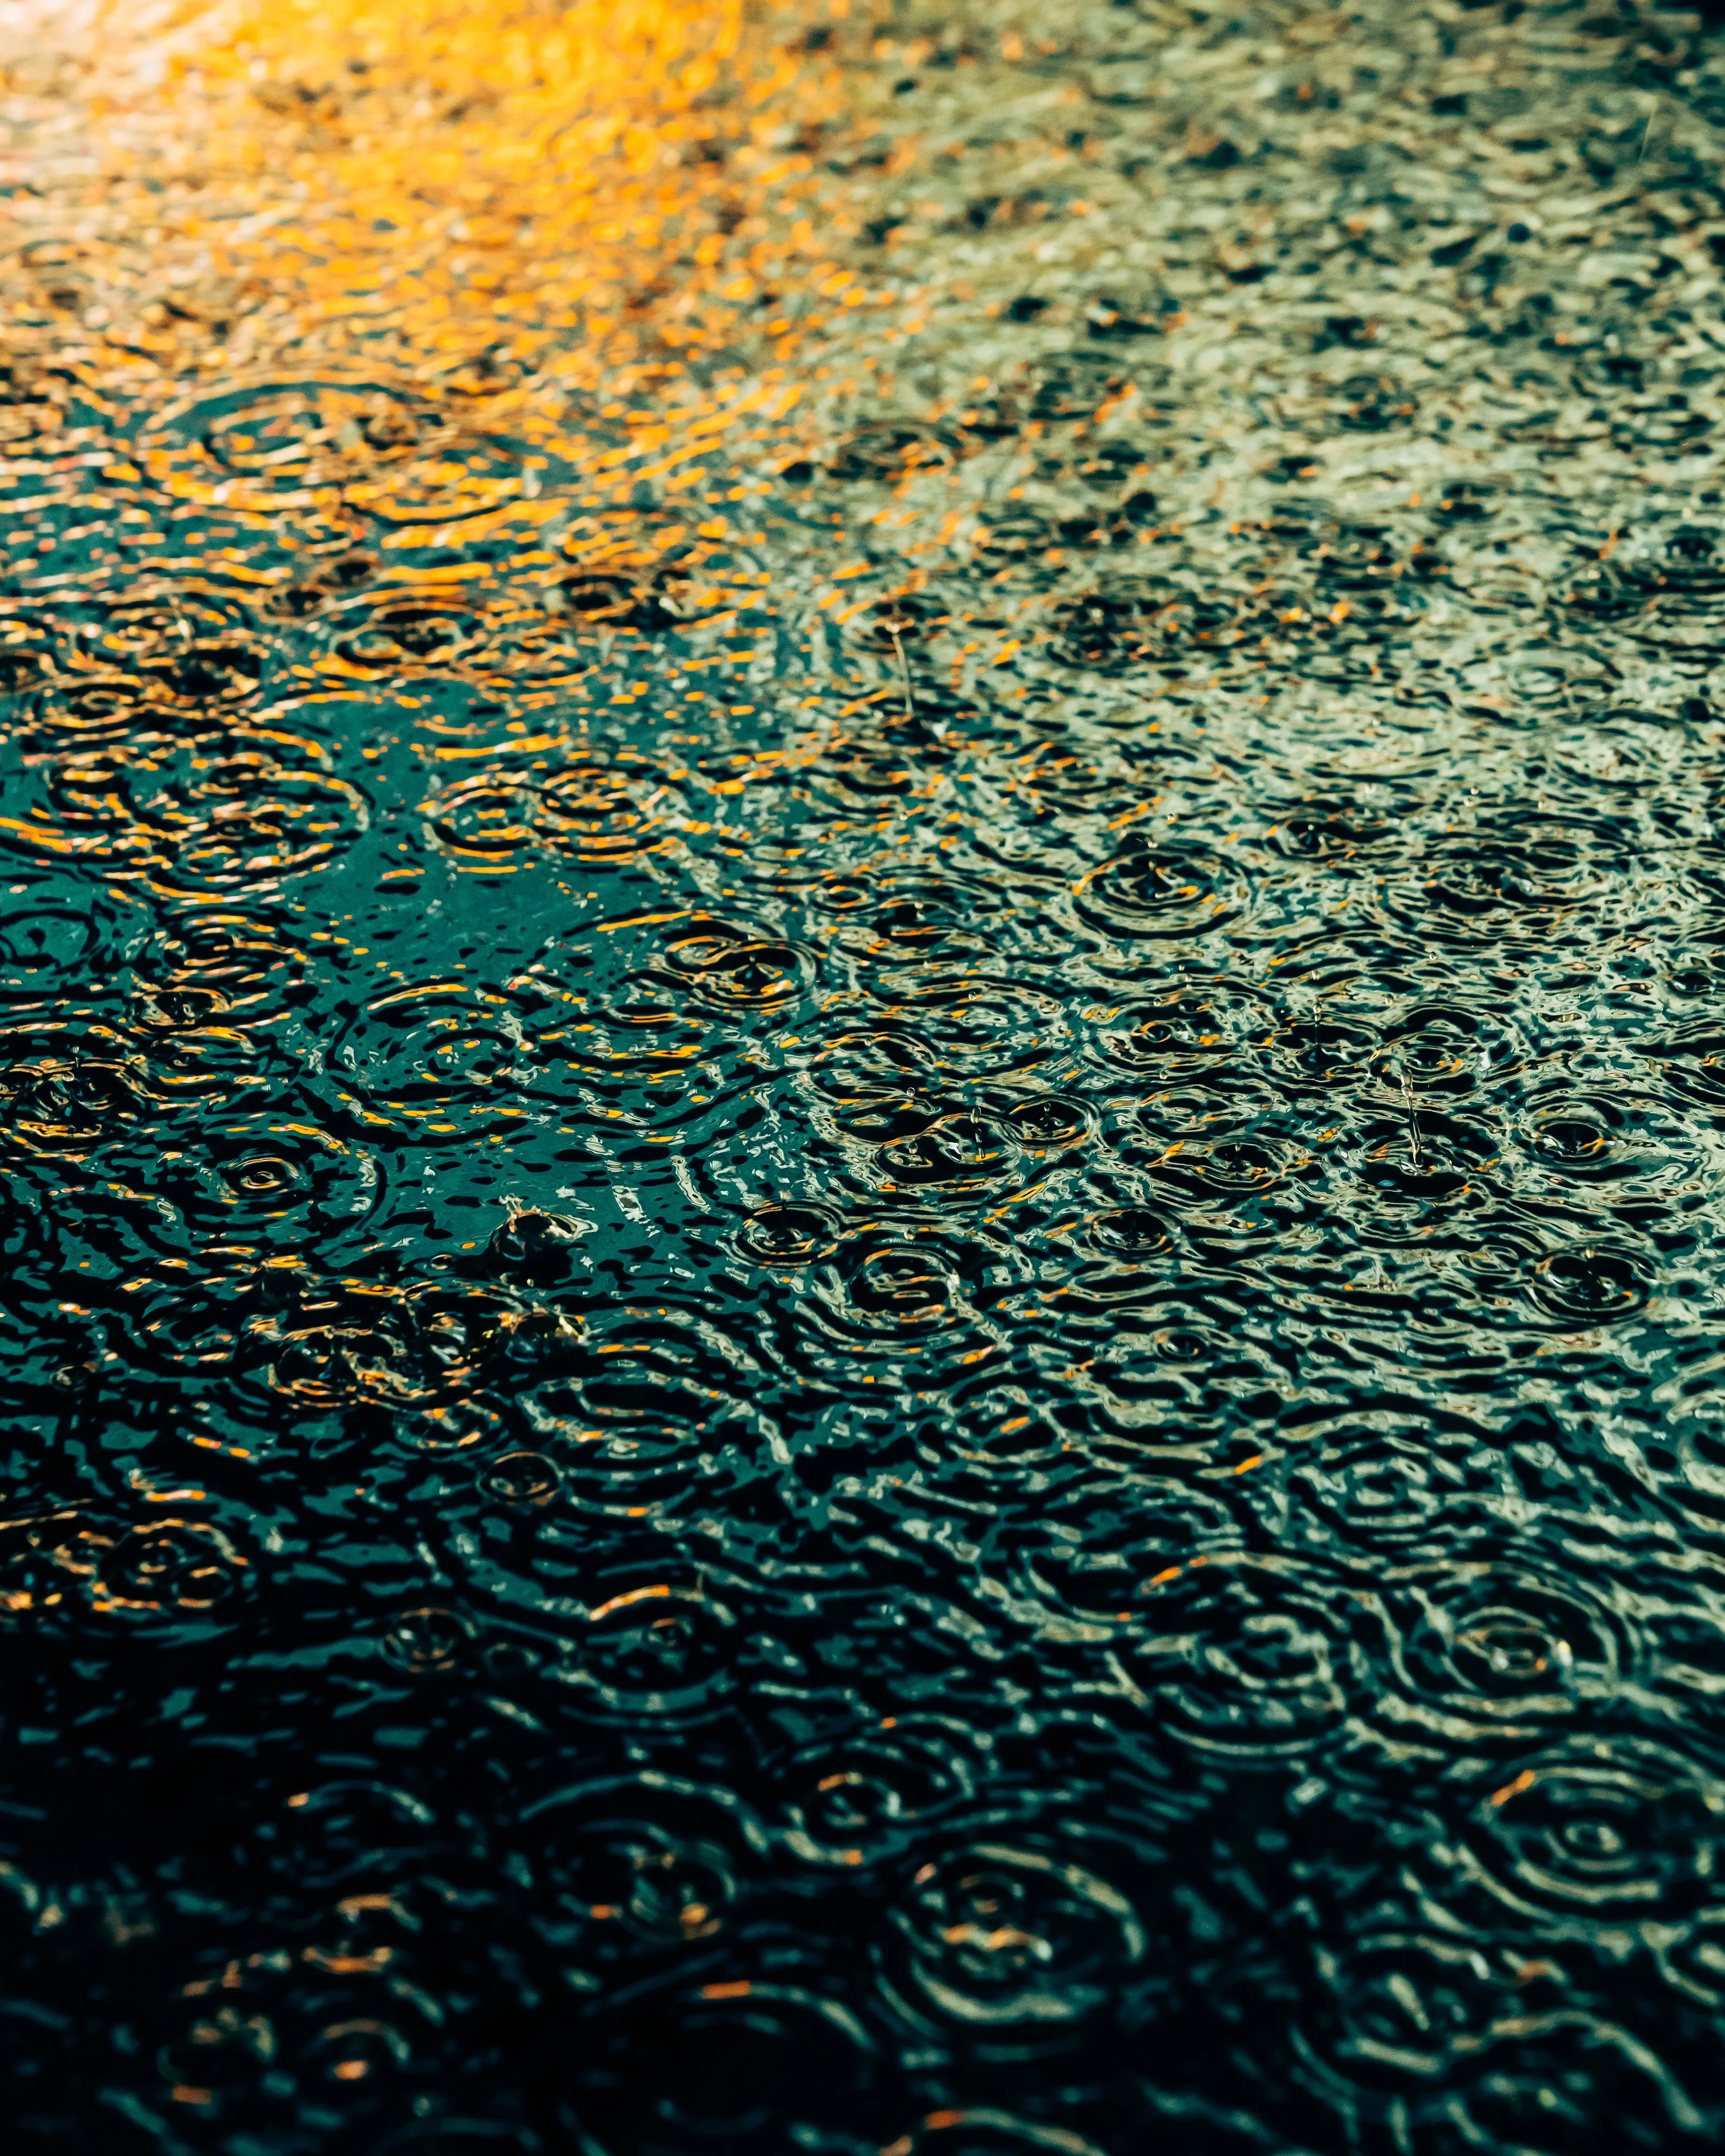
417,312
485,188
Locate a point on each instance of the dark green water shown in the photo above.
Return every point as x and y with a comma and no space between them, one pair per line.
947,1409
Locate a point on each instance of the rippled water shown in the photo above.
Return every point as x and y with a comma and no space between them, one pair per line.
862,1082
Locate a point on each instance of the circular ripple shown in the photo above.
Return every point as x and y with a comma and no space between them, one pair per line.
1061,781
610,813
1616,1146
354,1828
787,1236
58,1106
1185,1038
1601,1832
96,711
254,1186
726,970
1386,1483
1107,632
178,641
173,1578
388,451
433,1051
1048,1125
1525,878
656,1649
1680,569
1393,2001
621,604
902,1284
397,633
955,1153
910,617
1445,1049
1589,1284
650,1859
523,1478
416,1353
428,1640
1249,1659
1148,890
869,1799
242,815
1079,1573
458,1426
174,1566
1321,830
911,1304
887,450
641,1428
1320,1053
991,1938
1481,1648
904,919
1124,1252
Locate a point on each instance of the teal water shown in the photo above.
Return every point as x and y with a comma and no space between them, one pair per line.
775,1381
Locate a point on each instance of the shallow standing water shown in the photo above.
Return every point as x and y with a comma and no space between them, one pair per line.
861,1082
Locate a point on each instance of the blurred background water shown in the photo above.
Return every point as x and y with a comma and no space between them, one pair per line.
1058,671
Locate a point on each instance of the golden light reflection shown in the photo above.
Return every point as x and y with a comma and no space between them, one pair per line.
565,289
453,266
481,188
439,200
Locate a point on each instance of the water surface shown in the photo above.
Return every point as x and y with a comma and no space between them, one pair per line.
862,1082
